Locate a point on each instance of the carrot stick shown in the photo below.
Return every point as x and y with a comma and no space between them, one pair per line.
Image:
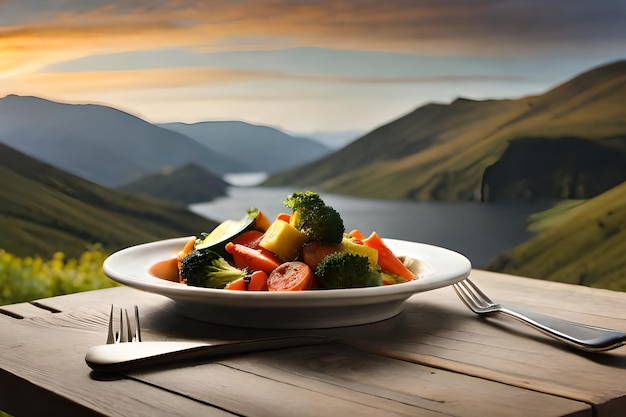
356,233
239,284
258,281
387,260
254,259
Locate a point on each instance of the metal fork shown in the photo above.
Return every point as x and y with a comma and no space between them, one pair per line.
118,356
121,331
581,336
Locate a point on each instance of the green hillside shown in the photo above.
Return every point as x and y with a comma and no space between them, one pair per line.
186,185
43,210
585,245
441,151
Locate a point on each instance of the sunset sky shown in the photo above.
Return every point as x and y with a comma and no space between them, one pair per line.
302,66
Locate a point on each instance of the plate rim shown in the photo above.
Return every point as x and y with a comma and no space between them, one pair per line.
143,280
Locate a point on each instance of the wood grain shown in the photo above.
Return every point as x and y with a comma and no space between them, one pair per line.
436,358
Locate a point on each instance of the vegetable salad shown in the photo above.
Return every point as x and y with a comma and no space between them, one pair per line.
305,248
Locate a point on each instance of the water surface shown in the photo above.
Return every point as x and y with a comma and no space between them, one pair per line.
480,231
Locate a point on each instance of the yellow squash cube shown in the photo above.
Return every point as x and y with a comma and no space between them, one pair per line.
283,239
348,245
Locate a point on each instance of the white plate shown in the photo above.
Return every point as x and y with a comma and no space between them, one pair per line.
287,310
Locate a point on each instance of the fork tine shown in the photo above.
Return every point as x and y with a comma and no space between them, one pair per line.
461,291
121,334
121,329
471,295
129,330
111,334
478,298
479,292
137,336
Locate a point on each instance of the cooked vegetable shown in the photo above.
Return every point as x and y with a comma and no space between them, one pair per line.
254,259
346,270
184,252
166,269
291,276
230,229
256,281
206,268
387,260
239,284
314,252
283,240
250,238
357,248
284,216
307,248
314,218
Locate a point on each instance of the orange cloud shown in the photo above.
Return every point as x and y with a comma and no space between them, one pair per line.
410,26
140,79
217,26
162,78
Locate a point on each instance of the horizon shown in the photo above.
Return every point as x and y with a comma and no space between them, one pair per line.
300,67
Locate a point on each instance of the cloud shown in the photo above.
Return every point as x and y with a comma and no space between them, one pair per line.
164,78
33,34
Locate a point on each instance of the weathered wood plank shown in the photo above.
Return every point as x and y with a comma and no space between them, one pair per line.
335,380
436,333
23,310
444,334
43,372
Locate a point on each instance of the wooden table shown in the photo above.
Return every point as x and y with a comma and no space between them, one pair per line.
434,359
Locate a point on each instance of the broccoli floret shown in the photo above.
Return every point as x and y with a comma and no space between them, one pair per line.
314,218
205,268
346,270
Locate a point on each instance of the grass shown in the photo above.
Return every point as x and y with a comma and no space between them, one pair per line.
552,216
585,246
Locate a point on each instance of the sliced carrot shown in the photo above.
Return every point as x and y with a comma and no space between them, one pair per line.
258,281
291,276
262,222
184,251
254,259
167,269
284,217
387,260
356,233
251,239
239,284
314,252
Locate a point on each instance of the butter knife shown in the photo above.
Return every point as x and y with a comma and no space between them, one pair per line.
124,357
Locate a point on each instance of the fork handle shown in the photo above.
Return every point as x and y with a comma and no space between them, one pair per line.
123,357
579,335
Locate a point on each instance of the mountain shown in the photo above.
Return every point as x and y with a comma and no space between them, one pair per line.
333,139
258,148
43,210
187,185
98,143
586,246
568,142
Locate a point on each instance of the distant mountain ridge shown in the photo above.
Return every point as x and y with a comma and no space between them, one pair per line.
186,185
259,148
451,151
44,210
98,143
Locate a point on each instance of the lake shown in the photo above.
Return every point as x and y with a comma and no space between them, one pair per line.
480,231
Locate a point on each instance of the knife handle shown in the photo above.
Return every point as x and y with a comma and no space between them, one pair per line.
123,357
